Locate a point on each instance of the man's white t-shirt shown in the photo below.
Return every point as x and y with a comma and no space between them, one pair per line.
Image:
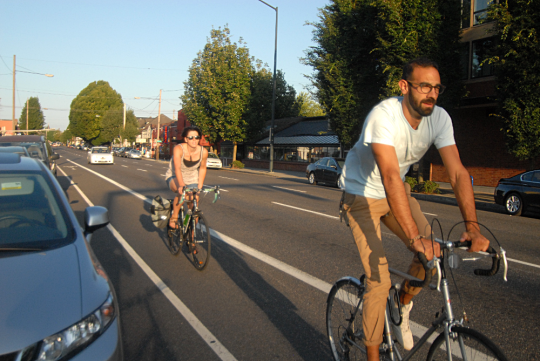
386,124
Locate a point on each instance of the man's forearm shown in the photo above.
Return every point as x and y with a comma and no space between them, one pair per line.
399,204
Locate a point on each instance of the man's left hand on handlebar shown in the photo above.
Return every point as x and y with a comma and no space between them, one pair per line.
426,246
479,242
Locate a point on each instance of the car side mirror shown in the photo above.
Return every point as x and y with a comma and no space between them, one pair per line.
55,156
94,218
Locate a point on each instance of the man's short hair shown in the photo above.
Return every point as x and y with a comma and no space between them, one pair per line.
418,62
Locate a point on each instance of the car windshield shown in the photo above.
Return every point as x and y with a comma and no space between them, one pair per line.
100,150
135,152
34,149
212,155
30,215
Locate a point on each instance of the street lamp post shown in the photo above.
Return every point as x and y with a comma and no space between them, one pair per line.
273,94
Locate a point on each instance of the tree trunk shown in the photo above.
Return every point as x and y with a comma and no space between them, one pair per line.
234,151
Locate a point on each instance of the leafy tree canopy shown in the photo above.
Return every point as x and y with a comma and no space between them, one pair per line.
308,106
113,126
36,120
88,109
517,67
217,92
260,105
362,46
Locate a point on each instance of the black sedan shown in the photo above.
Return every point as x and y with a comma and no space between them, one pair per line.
519,192
326,170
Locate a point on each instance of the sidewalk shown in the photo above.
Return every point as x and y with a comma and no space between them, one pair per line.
483,195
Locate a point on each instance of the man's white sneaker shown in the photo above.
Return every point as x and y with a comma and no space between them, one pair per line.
403,332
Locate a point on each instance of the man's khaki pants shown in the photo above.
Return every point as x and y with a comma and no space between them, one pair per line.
365,215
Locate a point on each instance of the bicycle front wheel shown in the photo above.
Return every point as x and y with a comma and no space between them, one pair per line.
466,344
199,243
344,313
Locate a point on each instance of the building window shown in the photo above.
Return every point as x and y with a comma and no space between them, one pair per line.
480,52
466,13
480,11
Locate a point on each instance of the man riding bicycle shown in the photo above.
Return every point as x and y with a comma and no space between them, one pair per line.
397,133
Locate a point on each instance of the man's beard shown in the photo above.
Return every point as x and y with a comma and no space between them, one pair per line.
424,111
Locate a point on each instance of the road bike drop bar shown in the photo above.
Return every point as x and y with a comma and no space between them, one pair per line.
217,193
454,259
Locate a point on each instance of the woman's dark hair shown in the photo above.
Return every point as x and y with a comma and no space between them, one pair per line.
189,129
421,62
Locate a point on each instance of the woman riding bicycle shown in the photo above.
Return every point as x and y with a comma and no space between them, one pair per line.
187,168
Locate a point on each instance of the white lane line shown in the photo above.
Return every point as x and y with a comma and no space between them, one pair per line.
227,178
197,325
289,189
124,166
144,170
430,214
305,210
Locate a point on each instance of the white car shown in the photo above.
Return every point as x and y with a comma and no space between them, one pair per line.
213,161
100,155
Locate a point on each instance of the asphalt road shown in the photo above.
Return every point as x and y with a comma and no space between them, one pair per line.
278,247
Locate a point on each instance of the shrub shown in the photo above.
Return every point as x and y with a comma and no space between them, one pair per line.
412,182
430,187
237,164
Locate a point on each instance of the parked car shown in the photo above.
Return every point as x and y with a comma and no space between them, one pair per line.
326,170
57,301
37,147
100,155
519,192
124,152
213,161
133,154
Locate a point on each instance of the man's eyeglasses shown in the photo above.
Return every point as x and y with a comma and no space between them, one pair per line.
192,137
426,88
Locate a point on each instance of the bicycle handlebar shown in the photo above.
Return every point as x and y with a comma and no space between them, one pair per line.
429,265
196,190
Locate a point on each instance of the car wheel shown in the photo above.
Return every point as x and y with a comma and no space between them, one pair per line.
513,204
312,179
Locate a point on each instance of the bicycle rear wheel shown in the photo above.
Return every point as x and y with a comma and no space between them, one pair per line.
199,242
344,313
468,344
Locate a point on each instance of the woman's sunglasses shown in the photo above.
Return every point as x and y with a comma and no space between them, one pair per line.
191,137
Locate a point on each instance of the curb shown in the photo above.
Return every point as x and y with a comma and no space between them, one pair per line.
484,206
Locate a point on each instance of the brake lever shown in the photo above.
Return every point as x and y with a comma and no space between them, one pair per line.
436,262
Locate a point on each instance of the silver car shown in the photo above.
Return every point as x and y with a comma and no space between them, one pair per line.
57,302
133,154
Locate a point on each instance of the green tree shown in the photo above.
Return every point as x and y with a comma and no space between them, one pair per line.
362,46
518,75
308,106
66,136
260,104
36,120
217,91
113,126
88,109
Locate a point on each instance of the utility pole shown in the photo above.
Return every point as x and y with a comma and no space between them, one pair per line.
27,115
13,110
158,121
124,116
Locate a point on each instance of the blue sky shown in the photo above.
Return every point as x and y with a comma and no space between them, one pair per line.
139,47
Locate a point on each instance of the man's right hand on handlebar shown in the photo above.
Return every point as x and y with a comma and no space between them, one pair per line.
426,246
479,242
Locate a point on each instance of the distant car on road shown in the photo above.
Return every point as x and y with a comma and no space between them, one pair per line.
100,155
133,154
326,170
57,302
213,161
519,192
124,152
37,147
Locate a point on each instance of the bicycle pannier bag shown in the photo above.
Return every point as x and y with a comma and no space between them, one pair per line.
161,211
